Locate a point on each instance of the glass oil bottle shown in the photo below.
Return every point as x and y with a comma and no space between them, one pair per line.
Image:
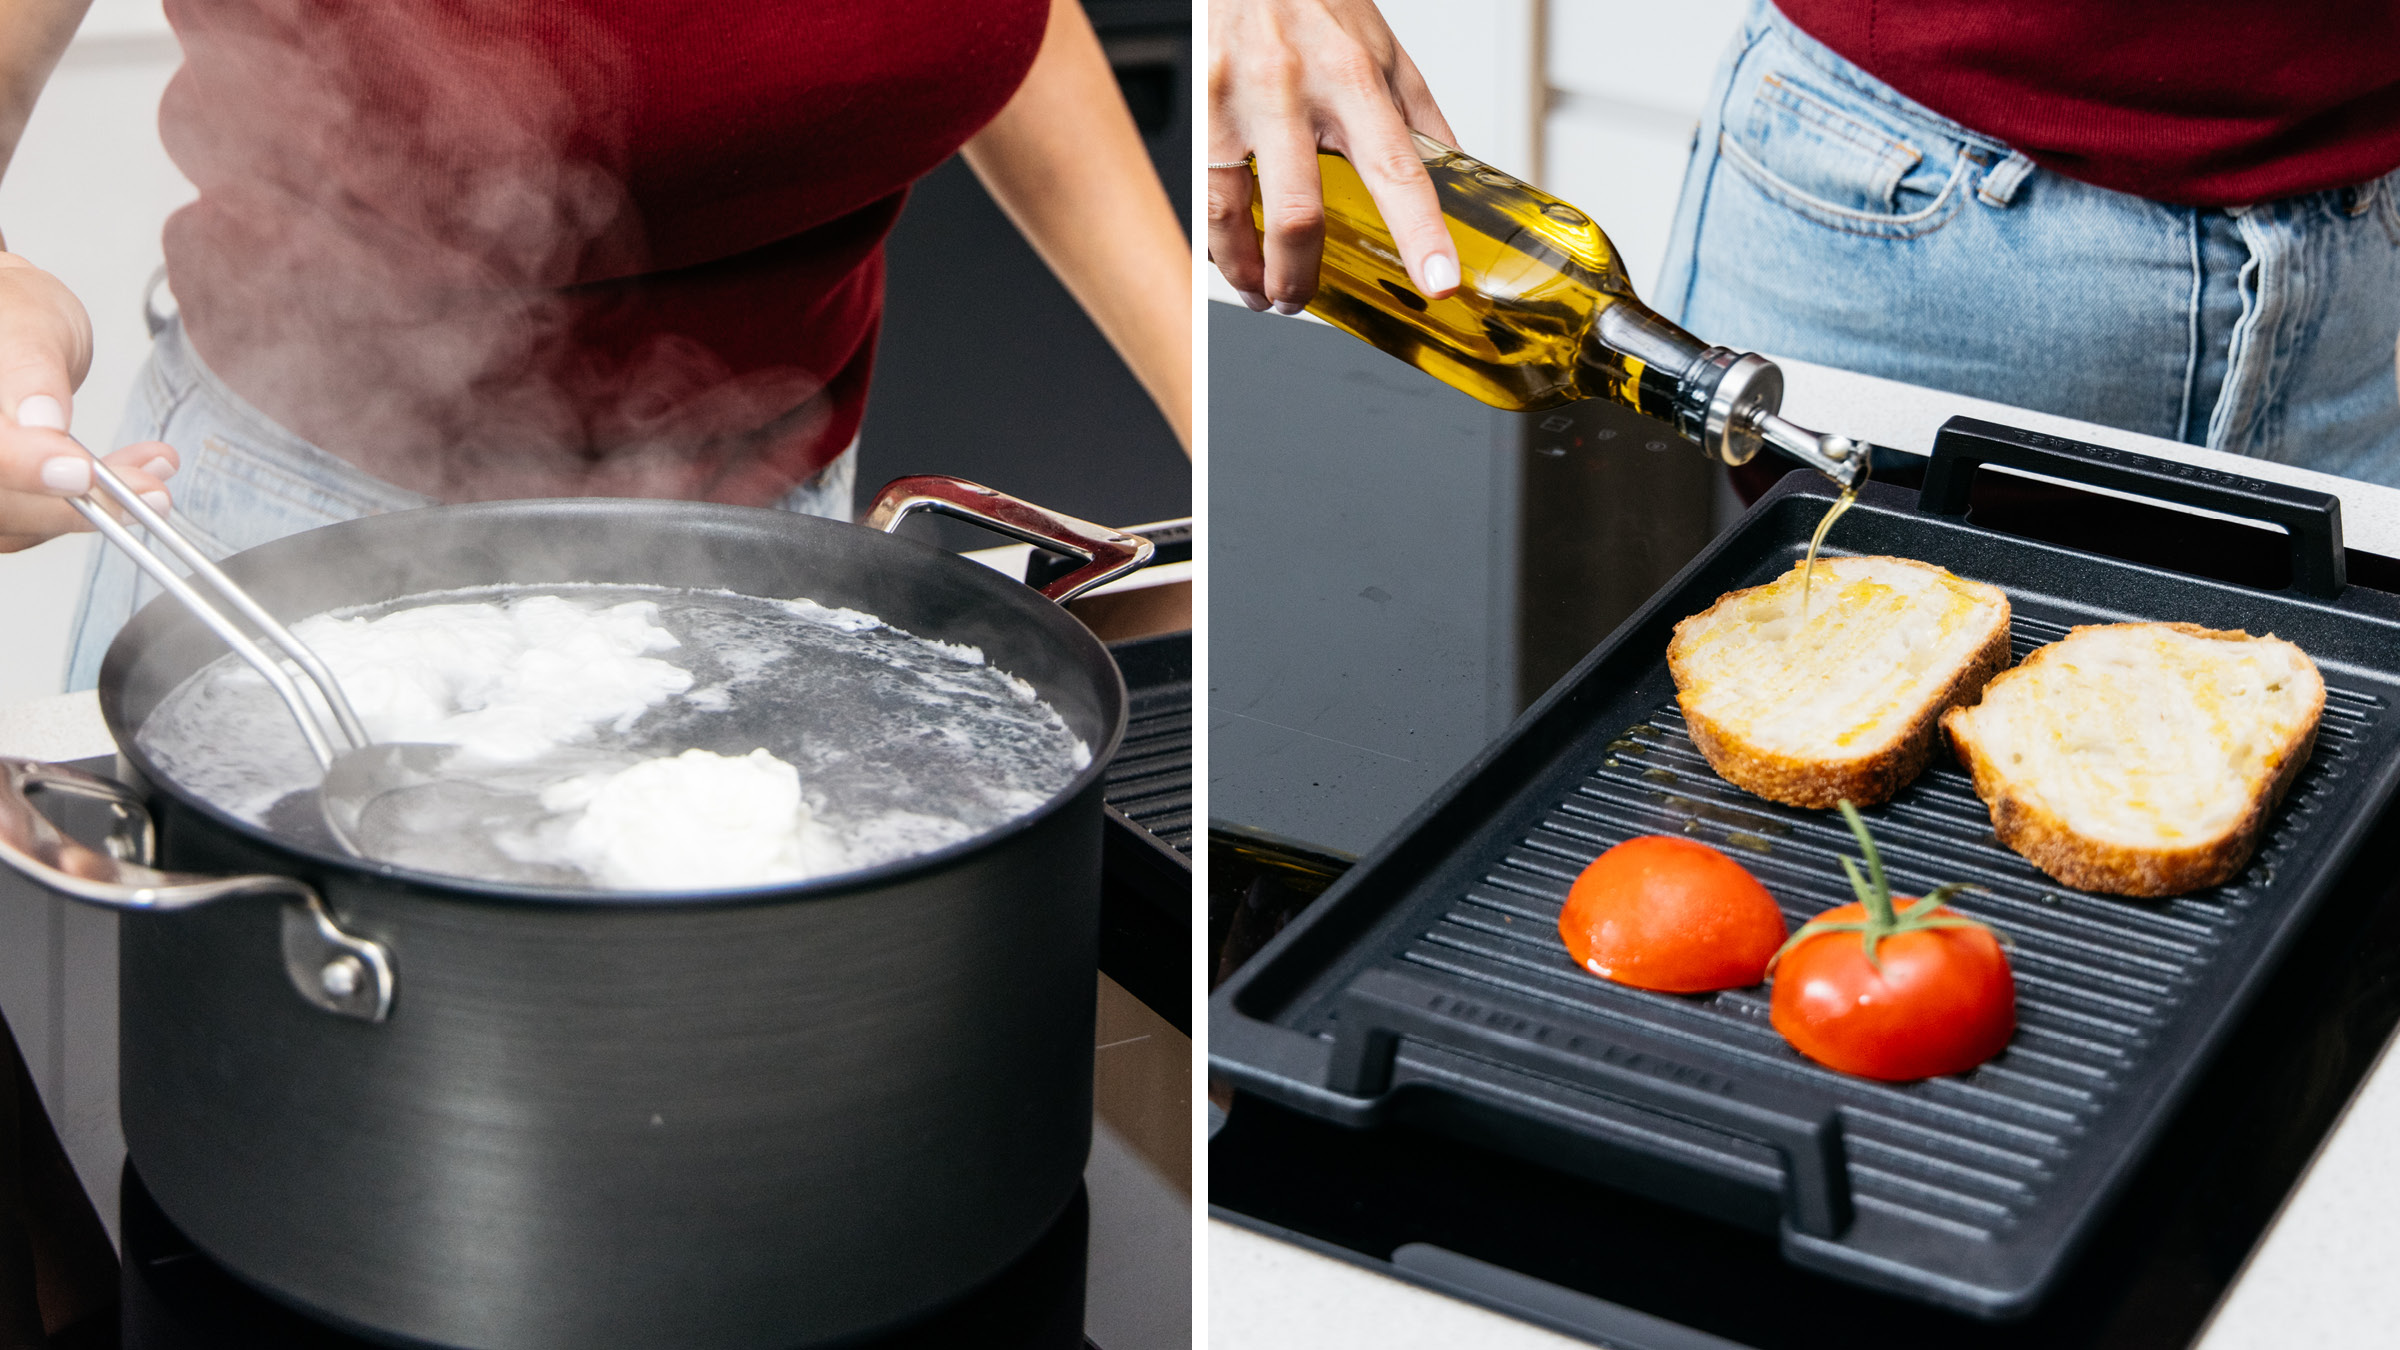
1544,315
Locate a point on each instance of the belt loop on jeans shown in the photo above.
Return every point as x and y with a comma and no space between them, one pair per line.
1999,186
157,319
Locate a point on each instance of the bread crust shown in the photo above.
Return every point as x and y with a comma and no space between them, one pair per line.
1820,784
2089,864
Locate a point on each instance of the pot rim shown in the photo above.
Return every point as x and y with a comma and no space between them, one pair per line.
1003,591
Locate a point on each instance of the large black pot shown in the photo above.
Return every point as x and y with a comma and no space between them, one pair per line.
533,1118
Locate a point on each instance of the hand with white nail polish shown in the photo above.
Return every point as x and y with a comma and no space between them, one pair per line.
1286,77
45,348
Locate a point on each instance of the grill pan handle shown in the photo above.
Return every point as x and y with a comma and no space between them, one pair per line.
338,972
1382,1005
2312,519
1107,554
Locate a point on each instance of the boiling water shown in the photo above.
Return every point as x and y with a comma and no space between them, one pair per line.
639,737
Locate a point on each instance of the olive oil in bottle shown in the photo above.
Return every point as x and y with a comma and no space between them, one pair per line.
1544,315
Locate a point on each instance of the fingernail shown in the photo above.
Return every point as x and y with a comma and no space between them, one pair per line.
161,468
1289,307
156,501
1441,272
70,474
41,410
1256,302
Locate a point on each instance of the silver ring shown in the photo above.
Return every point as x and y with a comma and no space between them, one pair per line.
1242,163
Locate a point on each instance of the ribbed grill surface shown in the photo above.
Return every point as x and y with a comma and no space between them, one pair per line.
2097,977
1151,778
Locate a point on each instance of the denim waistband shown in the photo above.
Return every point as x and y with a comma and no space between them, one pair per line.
1765,18
179,376
2355,199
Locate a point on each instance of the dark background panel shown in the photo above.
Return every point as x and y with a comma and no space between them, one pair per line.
1613,504
988,369
1361,578
1397,570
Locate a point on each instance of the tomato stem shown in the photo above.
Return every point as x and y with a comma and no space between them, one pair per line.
1874,891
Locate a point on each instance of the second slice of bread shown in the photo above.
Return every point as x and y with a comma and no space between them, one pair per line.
1845,704
2141,758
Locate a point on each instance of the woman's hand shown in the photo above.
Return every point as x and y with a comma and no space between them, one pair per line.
45,349
1288,76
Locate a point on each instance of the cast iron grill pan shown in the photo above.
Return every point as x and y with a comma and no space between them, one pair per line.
1431,982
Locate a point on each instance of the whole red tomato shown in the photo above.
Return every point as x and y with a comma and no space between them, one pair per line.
1672,914
1942,1002
1893,991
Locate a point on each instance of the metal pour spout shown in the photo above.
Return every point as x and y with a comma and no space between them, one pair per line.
1728,401
1837,457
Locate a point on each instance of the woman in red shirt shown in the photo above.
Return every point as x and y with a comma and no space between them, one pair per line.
2178,217
449,251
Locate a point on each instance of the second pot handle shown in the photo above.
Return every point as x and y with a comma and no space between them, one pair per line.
337,971
1107,554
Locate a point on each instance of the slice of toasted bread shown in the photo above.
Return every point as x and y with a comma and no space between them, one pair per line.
1843,705
2141,758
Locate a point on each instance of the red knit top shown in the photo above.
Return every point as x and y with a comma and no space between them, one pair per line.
2202,102
625,247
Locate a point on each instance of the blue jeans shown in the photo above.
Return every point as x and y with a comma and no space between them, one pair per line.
246,480
1827,217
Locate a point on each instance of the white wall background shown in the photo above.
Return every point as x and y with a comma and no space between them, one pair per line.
85,198
1482,62
1625,82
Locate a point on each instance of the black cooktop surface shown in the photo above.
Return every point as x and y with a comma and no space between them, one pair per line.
175,1298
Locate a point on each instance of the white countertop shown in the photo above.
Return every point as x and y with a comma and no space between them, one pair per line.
60,727
2327,1273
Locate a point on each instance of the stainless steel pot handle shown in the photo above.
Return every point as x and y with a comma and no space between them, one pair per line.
334,970
1108,554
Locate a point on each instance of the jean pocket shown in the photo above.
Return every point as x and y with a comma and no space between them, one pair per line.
230,498
1834,158
2387,204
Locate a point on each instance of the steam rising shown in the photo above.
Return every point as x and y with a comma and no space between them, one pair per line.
408,226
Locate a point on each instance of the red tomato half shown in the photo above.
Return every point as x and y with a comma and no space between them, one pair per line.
1667,913
1944,1001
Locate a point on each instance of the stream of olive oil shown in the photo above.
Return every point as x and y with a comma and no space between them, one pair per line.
1816,541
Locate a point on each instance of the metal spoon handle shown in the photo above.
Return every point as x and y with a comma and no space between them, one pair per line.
229,592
